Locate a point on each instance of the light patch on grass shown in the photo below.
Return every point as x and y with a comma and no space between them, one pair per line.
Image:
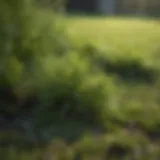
123,35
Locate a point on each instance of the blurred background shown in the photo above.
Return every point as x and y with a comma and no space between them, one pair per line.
115,7
80,79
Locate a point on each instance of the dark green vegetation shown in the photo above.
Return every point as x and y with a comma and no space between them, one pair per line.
63,90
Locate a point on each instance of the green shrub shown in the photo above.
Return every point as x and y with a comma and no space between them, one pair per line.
69,87
16,138
129,69
41,72
27,33
123,144
58,149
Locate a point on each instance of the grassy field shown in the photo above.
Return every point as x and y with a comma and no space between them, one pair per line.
122,35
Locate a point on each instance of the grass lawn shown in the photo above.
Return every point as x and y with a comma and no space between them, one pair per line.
121,35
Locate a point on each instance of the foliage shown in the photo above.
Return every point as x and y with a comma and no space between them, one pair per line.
26,35
130,69
70,92
116,145
52,82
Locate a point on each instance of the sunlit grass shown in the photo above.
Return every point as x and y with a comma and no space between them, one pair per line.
122,35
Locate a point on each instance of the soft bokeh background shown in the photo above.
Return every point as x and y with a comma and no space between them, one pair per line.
79,80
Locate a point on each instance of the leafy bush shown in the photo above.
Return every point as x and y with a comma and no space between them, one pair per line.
123,144
68,87
41,73
129,69
116,145
27,33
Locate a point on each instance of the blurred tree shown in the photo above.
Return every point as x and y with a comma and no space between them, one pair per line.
141,7
15,19
25,35
56,5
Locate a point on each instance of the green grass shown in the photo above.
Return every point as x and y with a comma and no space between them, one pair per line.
122,35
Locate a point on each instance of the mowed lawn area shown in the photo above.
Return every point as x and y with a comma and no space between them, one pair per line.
121,35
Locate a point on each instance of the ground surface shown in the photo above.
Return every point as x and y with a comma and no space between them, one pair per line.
124,35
